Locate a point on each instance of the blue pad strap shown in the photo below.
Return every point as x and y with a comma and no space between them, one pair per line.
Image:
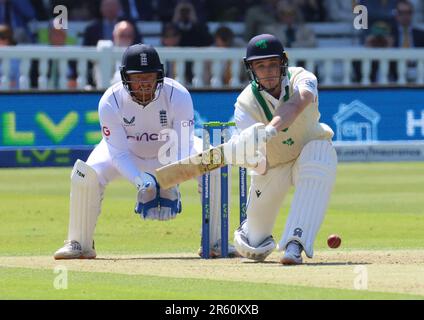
143,208
175,205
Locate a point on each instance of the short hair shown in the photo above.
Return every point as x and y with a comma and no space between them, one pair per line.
225,33
170,27
6,32
405,2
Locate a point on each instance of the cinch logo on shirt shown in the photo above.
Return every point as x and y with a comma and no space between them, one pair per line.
147,137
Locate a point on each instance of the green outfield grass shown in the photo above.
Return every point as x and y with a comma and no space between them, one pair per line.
83,285
373,207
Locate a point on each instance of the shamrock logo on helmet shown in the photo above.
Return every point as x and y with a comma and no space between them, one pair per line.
261,44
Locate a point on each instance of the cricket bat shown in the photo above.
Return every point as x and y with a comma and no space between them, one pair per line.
199,164
191,167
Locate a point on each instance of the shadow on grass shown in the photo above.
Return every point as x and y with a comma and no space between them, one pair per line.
242,261
310,264
164,258
148,258
350,263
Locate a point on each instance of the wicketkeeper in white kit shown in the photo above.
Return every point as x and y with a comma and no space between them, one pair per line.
283,101
132,115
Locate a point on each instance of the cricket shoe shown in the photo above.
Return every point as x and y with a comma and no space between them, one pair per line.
72,250
215,251
293,254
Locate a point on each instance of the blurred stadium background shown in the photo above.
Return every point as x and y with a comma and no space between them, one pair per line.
58,57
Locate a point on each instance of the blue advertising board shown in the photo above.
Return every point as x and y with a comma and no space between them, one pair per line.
44,125
390,114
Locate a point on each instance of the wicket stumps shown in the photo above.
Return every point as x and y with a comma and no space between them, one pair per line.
220,131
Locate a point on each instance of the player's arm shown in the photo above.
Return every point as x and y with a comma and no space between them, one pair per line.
117,144
116,141
285,115
305,92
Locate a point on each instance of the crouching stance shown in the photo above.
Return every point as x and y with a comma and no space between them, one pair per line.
141,118
283,102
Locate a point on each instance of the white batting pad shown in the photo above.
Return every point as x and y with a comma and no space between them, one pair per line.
314,176
85,201
265,197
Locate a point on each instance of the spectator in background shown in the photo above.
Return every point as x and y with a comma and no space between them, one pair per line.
340,10
224,38
6,40
41,9
170,37
102,29
418,10
17,15
258,17
78,10
406,35
57,38
165,10
379,10
312,10
137,10
227,10
193,32
200,6
289,28
380,37
124,35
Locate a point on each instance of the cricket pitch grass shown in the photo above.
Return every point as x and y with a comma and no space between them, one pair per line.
377,209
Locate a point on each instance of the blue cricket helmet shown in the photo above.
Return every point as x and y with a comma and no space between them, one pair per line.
141,58
265,46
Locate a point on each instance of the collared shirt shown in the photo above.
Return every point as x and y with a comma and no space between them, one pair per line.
307,81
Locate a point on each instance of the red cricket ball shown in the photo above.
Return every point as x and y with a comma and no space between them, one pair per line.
334,241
